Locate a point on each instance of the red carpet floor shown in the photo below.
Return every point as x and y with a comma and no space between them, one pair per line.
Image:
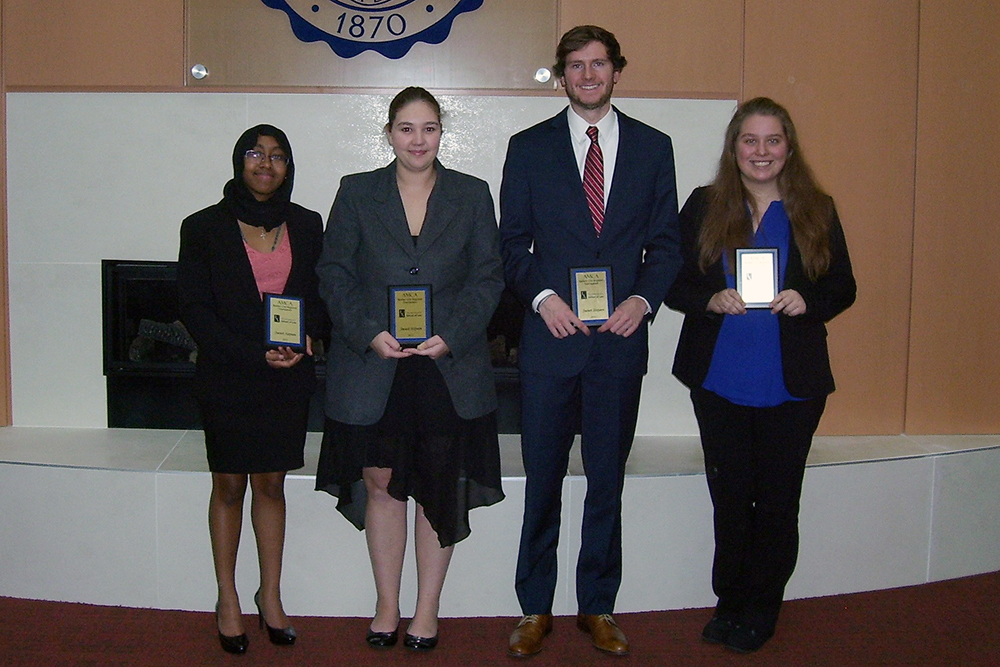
951,623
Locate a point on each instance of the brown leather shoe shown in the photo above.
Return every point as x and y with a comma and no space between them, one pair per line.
528,635
604,633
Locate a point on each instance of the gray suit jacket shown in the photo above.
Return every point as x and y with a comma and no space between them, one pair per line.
367,247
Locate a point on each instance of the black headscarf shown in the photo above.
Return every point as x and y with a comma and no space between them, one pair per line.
240,201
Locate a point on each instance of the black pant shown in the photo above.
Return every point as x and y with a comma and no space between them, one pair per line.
755,459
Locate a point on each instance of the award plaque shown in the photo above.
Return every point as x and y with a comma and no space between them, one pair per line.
592,294
410,313
757,276
285,326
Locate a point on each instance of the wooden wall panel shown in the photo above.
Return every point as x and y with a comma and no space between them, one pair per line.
92,43
499,46
847,72
675,48
954,371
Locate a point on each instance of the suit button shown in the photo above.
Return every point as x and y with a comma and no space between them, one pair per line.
414,270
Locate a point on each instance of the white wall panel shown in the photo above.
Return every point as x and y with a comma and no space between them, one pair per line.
55,341
78,534
867,524
966,531
95,176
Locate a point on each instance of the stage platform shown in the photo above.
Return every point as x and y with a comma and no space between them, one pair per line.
119,517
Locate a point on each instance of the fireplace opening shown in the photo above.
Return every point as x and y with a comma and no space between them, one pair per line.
149,355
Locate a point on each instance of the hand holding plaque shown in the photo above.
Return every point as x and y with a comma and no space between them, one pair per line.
410,313
757,276
592,295
285,322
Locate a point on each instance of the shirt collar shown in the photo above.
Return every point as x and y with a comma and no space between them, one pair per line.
578,125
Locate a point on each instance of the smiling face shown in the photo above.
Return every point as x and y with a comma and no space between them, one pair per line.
589,80
761,150
415,135
263,177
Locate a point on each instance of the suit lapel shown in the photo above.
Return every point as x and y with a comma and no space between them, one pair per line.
581,224
625,160
389,209
442,208
296,241
232,240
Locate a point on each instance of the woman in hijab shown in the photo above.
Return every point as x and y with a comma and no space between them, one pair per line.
253,397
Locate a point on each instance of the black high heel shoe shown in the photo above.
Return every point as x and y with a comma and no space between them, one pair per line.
231,643
278,636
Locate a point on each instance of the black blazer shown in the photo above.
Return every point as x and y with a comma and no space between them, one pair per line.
804,355
223,311
368,247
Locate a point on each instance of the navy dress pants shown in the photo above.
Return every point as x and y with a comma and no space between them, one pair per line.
604,408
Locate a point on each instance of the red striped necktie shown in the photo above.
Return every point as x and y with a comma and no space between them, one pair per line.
593,180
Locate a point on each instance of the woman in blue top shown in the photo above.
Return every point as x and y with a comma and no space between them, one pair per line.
759,377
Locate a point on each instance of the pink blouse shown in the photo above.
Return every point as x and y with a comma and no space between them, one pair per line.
271,269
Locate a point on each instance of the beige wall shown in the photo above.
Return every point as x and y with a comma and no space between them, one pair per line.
953,383
94,43
893,154
847,71
675,48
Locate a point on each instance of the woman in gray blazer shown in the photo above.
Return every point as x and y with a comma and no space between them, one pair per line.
410,415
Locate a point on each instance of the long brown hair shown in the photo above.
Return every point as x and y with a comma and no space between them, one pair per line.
727,223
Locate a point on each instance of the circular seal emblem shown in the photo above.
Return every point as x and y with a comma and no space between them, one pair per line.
389,27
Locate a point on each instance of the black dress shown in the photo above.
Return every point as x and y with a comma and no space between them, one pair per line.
447,464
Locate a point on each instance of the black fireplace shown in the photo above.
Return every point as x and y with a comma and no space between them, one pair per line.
149,356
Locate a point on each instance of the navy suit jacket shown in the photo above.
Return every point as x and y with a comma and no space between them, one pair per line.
368,247
546,230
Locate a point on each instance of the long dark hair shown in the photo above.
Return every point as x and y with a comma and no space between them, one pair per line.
728,225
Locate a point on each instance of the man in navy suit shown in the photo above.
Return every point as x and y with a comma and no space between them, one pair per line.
606,202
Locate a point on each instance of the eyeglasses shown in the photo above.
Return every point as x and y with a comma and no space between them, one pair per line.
275,158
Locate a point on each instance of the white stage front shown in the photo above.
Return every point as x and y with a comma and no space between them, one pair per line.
119,517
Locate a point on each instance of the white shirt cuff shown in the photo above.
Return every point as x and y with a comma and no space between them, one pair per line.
542,296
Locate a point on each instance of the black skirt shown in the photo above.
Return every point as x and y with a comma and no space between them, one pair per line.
447,464
254,438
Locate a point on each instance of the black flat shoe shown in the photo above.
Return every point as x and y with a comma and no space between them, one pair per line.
744,639
382,639
420,643
278,636
717,630
231,644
